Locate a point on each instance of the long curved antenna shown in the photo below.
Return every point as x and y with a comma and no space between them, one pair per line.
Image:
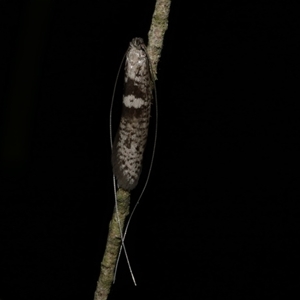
114,182
112,103
150,167
122,239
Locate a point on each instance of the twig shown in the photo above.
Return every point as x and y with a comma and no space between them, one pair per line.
157,31
112,246
156,34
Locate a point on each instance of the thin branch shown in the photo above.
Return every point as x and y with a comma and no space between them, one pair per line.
112,246
156,34
157,31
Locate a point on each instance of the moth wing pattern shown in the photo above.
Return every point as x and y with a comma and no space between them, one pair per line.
131,137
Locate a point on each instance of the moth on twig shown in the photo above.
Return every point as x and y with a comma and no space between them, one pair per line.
131,137
130,140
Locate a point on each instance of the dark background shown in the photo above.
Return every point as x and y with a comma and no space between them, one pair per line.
218,219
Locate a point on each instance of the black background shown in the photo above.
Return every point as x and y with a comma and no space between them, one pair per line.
218,219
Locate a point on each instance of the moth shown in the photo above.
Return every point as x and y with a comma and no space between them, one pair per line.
130,140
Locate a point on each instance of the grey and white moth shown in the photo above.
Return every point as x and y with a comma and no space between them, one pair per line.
130,140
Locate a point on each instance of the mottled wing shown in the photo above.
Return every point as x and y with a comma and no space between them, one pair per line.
131,138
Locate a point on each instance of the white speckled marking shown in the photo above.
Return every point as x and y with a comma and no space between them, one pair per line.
132,101
137,61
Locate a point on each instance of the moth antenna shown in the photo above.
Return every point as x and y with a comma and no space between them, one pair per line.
151,163
114,181
130,141
112,103
122,239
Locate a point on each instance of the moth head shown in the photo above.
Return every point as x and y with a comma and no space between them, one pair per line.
136,54
137,43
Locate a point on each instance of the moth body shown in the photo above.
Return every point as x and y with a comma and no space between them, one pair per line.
130,141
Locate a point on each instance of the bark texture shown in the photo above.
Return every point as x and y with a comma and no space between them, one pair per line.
112,246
